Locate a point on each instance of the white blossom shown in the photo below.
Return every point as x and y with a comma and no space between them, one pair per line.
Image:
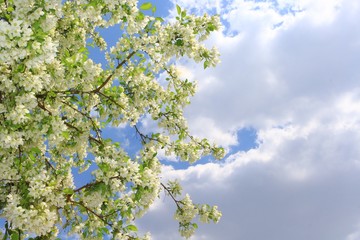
55,101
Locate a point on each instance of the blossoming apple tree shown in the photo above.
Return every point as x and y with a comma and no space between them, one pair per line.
55,101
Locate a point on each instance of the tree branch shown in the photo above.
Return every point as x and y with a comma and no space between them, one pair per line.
94,183
171,195
97,130
111,100
144,137
70,125
101,217
96,90
110,76
86,186
9,180
90,137
49,164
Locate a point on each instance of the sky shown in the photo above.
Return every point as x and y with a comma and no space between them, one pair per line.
285,103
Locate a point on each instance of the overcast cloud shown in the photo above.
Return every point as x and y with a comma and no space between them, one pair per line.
290,70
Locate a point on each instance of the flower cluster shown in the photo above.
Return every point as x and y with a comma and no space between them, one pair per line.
187,211
55,101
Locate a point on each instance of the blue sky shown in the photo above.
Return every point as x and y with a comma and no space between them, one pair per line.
285,102
126,134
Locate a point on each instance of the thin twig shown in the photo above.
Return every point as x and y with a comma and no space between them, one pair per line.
86,186
94,183
9,180
110,76
49,164
143,136
97,130
101,217
96,90
171,195
111,100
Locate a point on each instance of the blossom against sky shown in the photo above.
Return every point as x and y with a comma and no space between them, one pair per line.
289,80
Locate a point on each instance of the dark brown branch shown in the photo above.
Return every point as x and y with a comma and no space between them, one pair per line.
49,164
86,186
71,126
97,130
142,136
96,140
171,195
111,75
20,153
9,180
42,106
94,183
90,137
96,90
101,217
111,100
176,125
186,132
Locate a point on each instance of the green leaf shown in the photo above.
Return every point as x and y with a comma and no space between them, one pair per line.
140,16
183,14
15,236
178,9
153,10
68,191
20,68
156,135
132,228
104,230
10,9
138,194
206,64
159,19
83,49
210,27
66,134
104,167
32,157
146,6
36,150
179,43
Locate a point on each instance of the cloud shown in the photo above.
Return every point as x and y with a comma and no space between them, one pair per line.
292,186
205,127
289,70
354,235
277,75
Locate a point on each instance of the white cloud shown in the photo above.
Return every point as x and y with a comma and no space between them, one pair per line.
300,183
297,84
200,6
284,76
354,235
205,127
